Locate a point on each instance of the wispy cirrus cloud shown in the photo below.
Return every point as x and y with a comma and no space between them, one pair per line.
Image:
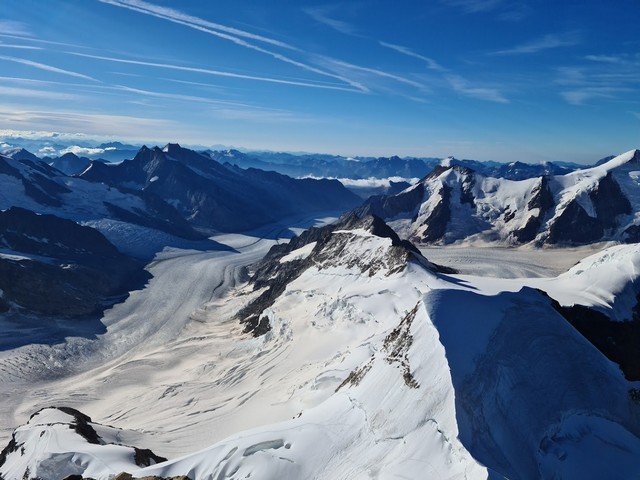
352,68
19,47
473,6
181,18
238,37
456,82
610,76
546,42
36,93
582,95
462,86
620,60
222,108
324,16
432,64
506,10
11,27
47,68
39,41
219,73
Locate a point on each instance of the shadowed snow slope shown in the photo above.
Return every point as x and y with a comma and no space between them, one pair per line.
530,390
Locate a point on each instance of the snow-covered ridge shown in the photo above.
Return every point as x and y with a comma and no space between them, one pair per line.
366,245
57,442
396,372
456,204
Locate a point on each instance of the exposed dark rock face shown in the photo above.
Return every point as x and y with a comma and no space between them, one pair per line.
25,231
69,270
609,201
631,234
389,206
574,225
439,218
69,163
397,345
11,447
22,154
145,457
81,425
618,341
542,199
7,169
466,187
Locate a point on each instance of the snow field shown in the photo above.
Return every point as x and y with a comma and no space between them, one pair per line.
366,372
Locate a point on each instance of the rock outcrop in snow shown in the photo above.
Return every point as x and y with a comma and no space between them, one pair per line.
59,442
330,246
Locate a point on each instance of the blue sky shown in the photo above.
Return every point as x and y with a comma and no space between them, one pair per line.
525,80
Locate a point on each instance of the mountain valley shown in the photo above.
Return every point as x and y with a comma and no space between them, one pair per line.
242,339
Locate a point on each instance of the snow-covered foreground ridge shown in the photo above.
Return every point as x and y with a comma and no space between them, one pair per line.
378,366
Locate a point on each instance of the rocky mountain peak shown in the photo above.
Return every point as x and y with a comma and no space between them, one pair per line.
171,148
363,244
73,434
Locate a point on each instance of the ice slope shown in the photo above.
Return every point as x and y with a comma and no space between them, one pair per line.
530,390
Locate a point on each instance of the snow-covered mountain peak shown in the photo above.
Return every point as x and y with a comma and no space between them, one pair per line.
355,246
455,203
60,441
448,161
625,161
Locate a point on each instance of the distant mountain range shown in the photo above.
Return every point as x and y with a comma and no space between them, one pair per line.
72,159
108,213
212,196
455,203
331,166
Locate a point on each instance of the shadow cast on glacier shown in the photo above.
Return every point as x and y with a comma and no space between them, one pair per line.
519,371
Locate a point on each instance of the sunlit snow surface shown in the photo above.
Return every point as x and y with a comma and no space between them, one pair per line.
407,374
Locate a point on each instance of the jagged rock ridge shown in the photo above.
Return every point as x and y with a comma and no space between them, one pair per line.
325,247
453,203
216,197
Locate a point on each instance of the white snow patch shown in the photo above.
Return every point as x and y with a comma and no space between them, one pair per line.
300,253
